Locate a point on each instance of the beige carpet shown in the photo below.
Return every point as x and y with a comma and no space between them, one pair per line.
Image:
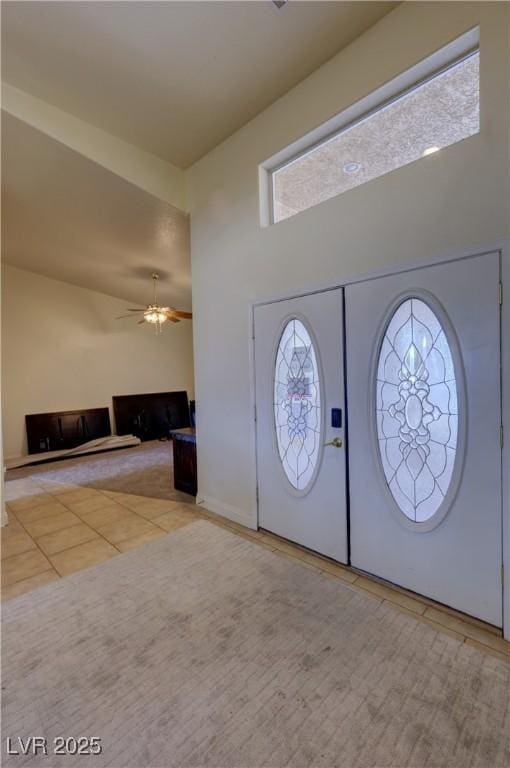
202,649
145,470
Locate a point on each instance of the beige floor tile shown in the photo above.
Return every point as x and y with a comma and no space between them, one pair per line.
364,592
469,630
487,649
126,528
150,510
212,517
295,560
386,593
50,486
109,513
51,543
137,541
220,522
264,545
208,515
52,507
462,617
259,535
337,570
90,504
15,541
50,524
229,523
281,544
428,602
77,494
26,585
110,494
172,520
424,620
13,524
23,566
126,499
82,556
27,502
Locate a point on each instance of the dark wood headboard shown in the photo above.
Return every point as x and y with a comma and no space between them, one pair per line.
152,415
65,429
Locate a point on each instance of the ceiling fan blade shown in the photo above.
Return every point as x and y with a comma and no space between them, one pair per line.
179,313
121,317
141,321
129,309
173,319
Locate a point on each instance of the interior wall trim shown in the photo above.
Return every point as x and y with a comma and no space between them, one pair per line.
236,514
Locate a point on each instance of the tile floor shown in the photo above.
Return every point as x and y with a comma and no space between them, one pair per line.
55,530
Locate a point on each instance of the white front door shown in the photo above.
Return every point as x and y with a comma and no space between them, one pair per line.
423,384
299,384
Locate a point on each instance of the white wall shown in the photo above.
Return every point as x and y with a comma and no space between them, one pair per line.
63,349
455,201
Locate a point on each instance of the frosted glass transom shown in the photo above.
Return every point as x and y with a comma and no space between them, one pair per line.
417,410
297,404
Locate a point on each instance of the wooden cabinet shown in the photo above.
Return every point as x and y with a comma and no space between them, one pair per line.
185,460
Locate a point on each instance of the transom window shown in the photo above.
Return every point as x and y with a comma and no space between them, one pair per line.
436,112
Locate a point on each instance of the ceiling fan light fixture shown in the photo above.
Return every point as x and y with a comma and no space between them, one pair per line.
156,314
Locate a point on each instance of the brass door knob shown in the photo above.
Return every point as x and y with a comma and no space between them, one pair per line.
336,442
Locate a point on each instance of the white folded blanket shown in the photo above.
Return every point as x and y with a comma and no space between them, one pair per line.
93,446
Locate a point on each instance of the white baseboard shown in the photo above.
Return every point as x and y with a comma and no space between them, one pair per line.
226,510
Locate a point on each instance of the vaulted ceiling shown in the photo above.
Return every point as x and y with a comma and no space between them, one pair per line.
173,78
69,218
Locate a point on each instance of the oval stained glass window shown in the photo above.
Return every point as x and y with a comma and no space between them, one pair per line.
297,404
416,410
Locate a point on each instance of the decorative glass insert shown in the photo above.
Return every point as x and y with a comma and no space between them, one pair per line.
416,410
297,404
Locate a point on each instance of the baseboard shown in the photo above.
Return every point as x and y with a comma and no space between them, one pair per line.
226,510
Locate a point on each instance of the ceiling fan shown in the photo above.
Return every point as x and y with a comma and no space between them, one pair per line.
156,314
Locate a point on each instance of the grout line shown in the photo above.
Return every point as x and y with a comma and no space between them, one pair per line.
52,566
52,569
38,547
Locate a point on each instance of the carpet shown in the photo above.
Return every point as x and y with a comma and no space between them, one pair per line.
203,649
144,470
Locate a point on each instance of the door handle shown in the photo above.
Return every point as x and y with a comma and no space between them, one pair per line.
336,442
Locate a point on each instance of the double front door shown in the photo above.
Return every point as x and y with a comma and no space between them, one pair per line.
416,370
